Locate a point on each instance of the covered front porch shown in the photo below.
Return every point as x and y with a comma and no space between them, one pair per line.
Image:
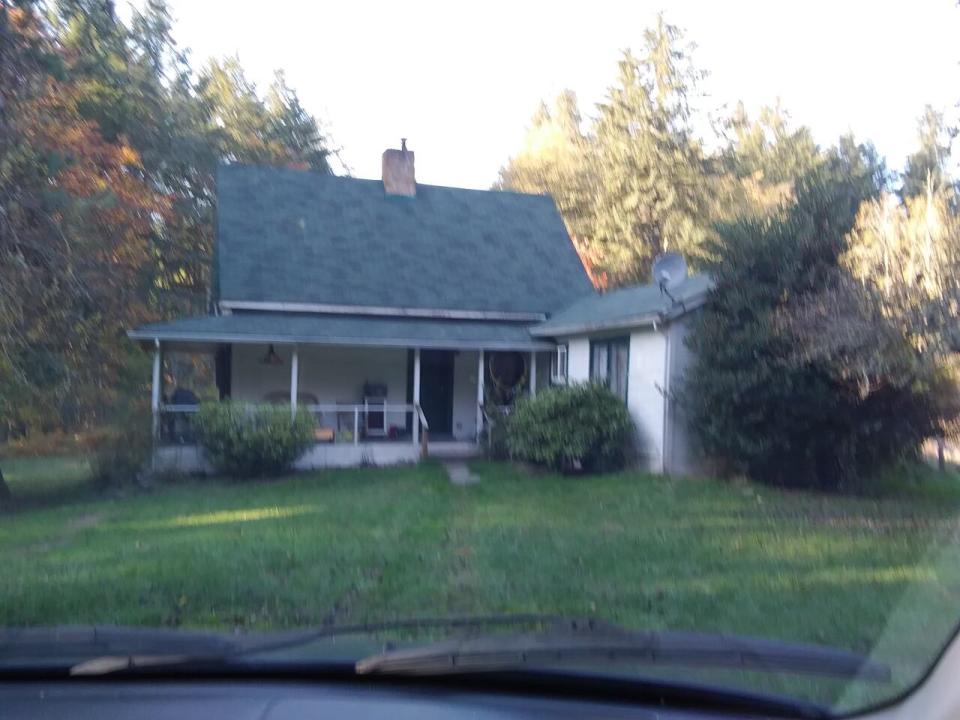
374,401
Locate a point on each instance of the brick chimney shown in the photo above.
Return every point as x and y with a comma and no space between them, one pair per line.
398,177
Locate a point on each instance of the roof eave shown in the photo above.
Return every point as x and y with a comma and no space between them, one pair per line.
583,328
381,311
259,339
680,308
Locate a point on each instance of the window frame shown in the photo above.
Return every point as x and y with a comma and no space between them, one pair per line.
558,372
611,343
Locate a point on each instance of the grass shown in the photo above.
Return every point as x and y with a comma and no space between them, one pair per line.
870,574
46,479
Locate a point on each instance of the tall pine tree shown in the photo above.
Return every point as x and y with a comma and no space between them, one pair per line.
650,167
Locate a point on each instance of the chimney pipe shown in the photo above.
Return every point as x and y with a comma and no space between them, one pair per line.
398,171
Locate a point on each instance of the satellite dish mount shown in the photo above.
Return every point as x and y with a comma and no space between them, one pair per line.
669,270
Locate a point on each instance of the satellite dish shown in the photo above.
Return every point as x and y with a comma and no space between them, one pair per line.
669,269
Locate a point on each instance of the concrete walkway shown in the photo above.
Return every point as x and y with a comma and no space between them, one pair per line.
459,473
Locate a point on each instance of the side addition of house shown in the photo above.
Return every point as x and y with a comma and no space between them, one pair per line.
400,314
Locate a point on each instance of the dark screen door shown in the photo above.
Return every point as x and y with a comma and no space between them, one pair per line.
436,390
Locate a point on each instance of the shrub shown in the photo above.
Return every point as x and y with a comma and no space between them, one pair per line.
575,427
495,433
798,379
59,442
125,450
244,440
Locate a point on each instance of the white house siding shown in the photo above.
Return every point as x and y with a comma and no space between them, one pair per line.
578,359
331,373
645,398
465,395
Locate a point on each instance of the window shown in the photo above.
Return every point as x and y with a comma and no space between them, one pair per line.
558,366
609,364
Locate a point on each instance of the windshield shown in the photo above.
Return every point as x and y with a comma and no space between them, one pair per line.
507,339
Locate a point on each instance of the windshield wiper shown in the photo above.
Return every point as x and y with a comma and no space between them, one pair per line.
592,641
99,650
103,649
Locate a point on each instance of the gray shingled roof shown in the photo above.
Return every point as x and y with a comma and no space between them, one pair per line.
302,237
342,330
627,307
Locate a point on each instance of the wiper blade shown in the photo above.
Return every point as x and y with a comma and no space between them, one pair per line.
590,641
91,640
103,649
97,650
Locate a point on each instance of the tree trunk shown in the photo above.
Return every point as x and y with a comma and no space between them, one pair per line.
6,497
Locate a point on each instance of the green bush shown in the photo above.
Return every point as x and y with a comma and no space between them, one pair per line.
243,440
58,442
794,380
124,452
567,428
495,433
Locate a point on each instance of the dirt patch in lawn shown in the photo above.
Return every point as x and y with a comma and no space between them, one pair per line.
87,520
81,522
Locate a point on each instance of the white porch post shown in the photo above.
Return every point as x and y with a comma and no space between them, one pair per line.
416,396
533,373
480,368
294,380
156,389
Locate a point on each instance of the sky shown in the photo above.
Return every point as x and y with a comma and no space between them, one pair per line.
461,80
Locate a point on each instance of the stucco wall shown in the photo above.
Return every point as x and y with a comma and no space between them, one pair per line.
682,455
645,400
644,394
332,374
578,359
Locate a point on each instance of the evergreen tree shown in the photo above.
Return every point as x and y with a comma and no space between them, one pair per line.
650,168
759,406
108,154
926,169
555,160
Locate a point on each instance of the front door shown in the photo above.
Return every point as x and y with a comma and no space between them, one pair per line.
436,390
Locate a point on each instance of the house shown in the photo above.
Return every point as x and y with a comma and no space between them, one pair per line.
400,313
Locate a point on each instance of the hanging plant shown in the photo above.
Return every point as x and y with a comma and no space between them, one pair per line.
508,376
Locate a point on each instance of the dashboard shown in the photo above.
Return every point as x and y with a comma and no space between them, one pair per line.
297,700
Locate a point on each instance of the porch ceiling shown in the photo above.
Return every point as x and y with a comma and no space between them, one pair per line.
314,329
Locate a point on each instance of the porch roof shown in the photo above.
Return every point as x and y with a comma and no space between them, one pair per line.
628,307
289,328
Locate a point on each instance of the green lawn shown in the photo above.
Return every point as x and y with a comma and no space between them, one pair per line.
36,480
356,545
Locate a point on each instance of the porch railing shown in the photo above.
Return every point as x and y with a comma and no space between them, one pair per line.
424,431
356,418
175,424
491,415
335,422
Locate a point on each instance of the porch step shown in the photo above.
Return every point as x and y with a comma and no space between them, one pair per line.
459,473
453,449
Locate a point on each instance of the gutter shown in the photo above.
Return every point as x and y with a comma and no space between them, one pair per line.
337,309
580,328
240,339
